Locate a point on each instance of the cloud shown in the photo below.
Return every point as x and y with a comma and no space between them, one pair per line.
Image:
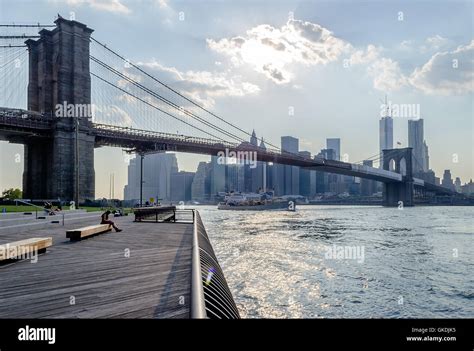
273,52
436,42
112,114
167,14
115,6
163,4
270,51
123,83
385,72
203,86
447,73
365,56
430,44
406,45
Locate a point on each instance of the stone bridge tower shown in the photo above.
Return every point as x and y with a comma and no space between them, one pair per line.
61,166
400,161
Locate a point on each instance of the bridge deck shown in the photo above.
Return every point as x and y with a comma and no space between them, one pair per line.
14,123
153,282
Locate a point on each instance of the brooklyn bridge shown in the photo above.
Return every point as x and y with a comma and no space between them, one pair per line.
136,111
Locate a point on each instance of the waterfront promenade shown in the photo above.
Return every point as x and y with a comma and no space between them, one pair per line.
142,272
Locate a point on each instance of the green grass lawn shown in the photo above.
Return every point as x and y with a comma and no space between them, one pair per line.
20,208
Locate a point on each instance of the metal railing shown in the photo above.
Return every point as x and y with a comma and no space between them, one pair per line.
159,214
210,294
134,133
41,208
31,123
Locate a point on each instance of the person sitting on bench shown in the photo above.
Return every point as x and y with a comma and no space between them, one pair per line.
105,220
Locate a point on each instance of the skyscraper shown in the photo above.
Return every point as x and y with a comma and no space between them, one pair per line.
291,173
181,186
447,181
324,180
368,187
426,158
416,141
457,185
336,180
217,176
290,144
278,178
307,178
131,190
385,135
235,177
157,175
334,144
157,171
257,173
200,188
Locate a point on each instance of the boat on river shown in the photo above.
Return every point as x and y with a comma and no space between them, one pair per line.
254,202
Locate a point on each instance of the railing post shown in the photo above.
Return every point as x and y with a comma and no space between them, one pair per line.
198,307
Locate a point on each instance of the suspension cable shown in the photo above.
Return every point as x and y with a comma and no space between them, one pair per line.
170,103
176,92
155,107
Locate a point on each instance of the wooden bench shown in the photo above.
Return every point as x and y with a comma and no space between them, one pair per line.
78,234
22,249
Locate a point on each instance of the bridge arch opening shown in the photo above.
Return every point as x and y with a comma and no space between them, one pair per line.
391,165
403,167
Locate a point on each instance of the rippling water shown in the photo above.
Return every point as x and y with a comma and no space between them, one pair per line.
418,262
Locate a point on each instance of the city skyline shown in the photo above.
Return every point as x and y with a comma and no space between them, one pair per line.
212,179
293,93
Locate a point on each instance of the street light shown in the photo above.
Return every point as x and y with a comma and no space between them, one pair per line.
142,156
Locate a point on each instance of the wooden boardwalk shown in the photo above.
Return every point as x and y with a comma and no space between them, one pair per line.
142,272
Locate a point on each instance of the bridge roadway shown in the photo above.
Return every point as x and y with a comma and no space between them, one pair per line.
15,124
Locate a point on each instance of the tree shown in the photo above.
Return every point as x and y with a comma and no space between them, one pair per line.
12,194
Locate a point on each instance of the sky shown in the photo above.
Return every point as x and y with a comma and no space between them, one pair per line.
309,69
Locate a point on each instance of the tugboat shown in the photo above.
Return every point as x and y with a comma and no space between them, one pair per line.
252,201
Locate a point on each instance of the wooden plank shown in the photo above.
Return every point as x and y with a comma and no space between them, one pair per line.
76,234
23,247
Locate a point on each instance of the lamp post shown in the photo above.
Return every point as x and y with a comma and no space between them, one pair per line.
76,163
142,156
